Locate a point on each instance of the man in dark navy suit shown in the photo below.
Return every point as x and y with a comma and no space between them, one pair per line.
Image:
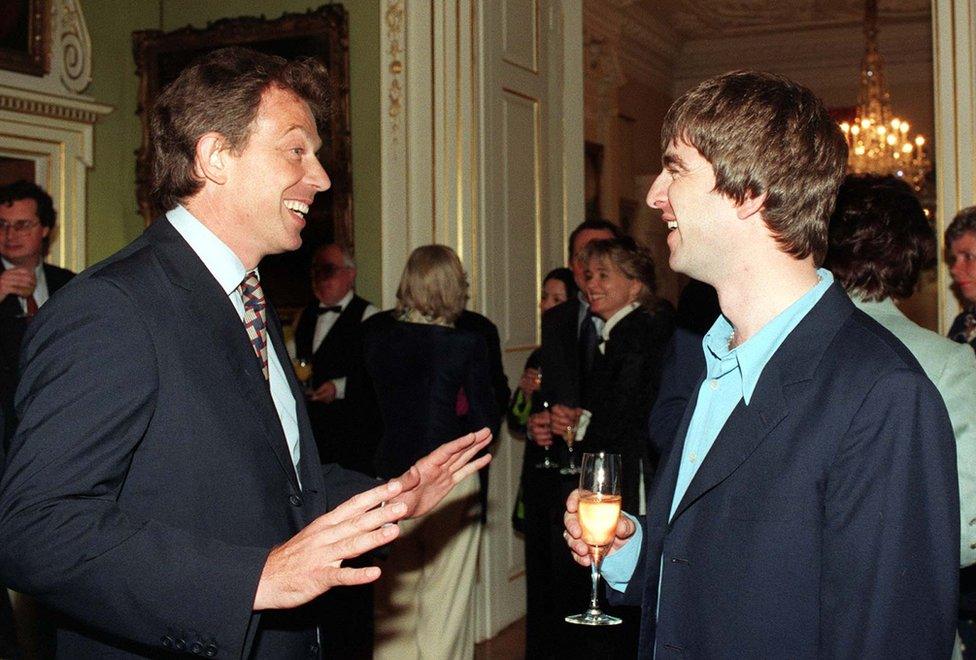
163,491
808,506
27,219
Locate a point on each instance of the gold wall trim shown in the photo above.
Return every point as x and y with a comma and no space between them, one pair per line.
47,109
394,36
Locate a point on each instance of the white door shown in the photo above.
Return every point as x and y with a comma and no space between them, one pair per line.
530,193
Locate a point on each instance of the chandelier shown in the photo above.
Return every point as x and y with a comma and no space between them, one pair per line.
878,141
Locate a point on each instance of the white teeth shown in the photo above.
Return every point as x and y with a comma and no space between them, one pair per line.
672,224
296,206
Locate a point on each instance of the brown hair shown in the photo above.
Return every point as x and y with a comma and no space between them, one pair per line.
963,222
632,260
880,240
221,92
764,134
433,283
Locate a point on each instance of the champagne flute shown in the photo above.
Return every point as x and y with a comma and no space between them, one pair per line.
303,371
547,463
569,435
599,509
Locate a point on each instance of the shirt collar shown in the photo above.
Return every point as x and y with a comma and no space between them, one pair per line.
220,260
752,356
38,269
615,319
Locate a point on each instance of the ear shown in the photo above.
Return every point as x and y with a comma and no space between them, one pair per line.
750,206
212,158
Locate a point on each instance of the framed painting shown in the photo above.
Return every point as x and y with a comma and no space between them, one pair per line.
321,33
24,36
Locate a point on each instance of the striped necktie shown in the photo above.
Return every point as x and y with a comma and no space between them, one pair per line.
255,318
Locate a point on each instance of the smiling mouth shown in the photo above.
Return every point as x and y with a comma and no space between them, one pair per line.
300,208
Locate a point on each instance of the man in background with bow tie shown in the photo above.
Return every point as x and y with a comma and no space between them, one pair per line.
329,337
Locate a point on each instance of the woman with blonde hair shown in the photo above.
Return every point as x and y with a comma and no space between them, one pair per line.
432,384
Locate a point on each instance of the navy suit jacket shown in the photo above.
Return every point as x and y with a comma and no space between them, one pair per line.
149,477
824,520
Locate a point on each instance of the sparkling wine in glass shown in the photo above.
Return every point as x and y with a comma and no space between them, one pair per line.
569,434
303,371
599,509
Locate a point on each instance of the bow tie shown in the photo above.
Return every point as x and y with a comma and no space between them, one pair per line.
333,308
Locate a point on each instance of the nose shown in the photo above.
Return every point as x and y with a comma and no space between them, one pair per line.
317,177
657,196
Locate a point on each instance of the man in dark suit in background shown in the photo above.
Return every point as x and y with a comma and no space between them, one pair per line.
809,504
163,491
26,221
569,344
329,336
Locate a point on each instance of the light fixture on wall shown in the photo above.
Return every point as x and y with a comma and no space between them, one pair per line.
878,140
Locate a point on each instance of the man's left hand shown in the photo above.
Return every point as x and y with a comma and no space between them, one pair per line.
433,476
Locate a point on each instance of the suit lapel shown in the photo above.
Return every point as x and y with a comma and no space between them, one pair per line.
795,361
220,329
745,429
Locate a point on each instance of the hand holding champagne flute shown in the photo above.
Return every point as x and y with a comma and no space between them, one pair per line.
598,514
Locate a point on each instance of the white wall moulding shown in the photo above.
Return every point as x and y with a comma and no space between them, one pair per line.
47,120
954,30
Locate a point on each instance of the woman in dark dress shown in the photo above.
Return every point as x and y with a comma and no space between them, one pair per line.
619,394
432,384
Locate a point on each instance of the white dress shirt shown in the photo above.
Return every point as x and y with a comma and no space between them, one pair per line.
324,324
229,272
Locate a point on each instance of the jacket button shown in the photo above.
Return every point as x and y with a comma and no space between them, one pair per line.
210,651
313,649
197,648
167,641
294,500
180,645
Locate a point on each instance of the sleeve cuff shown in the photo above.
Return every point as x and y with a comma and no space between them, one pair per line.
340,385
618,568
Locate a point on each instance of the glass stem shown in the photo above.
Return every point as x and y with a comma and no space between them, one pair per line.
595,578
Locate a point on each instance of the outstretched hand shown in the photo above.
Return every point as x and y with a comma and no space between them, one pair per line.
309,563
574,532
431,478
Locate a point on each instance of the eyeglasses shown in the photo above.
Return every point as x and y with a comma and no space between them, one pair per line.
18,227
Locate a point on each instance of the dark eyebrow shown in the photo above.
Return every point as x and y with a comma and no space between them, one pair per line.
673,161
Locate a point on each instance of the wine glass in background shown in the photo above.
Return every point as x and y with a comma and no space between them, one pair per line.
303,371
599,509
569,435
547,463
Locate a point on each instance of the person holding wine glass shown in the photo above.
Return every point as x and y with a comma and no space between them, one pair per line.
637,326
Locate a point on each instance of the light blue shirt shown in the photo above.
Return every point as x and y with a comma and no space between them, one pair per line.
229,272
731,375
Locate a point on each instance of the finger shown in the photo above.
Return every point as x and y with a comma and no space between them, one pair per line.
362,502
410,479
354,546
466,456
345,576
625,528
350,531
471,468
572,502
447,451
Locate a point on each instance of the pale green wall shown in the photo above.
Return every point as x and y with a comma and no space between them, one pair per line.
113,220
